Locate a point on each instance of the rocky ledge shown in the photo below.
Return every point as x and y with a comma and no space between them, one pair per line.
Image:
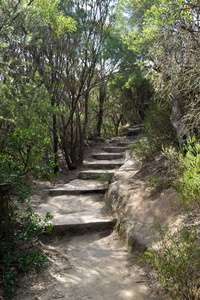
137,209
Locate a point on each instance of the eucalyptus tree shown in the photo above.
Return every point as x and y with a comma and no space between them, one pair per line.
168,40
83,59
23,137
67,64
45,48
128,90
22,91
20,88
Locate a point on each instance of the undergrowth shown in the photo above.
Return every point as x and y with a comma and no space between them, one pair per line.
176,257
21,160
19,245
177,262
105,178
184,167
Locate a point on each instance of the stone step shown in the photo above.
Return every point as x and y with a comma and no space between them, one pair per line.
107,156
94,225
60,192
94,174
76,214
105,164
112,149
133,130
78,186
125,143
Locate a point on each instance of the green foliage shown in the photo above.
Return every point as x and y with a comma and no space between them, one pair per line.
176,256
133,91
162,31
19,252
177,262
151,18
49,15
157,130
128,89
185,169
143,149
22,153
21,159
24,142
22,262
153,179
105,178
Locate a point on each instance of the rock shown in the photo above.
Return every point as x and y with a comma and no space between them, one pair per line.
135,209
133,130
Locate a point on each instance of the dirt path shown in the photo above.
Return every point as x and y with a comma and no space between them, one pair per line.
93,265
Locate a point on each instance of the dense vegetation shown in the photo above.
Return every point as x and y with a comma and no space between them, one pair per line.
77,70
166,36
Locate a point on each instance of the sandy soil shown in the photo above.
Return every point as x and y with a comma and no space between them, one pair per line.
93,266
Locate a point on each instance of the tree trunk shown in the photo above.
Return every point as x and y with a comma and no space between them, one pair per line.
86,114
55,144
70,165
117,125
81,139
102,96
176,114
72,129
82,133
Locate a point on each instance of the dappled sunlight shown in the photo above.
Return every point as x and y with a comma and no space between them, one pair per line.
101,270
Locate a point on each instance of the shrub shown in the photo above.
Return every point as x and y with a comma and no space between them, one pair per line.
184,167
143,149
177,263
105,179
177,259
157,130
20,160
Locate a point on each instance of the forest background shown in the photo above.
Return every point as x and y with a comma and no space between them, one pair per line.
78,70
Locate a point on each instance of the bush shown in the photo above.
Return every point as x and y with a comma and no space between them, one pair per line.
177,259
143,148
177,263
157,130
105,179
20,160
184,167
20,251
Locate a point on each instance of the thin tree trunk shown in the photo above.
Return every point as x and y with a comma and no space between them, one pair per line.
81,140
102,96
70,165
117,124
82,132
176,114
86,114
55,142
72,129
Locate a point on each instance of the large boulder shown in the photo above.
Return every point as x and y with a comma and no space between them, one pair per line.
137,210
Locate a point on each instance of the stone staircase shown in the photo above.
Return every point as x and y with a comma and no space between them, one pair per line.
77,207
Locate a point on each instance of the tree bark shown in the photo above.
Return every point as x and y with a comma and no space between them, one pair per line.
176,114
70,165
55,141
82,133
117,125
102,96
